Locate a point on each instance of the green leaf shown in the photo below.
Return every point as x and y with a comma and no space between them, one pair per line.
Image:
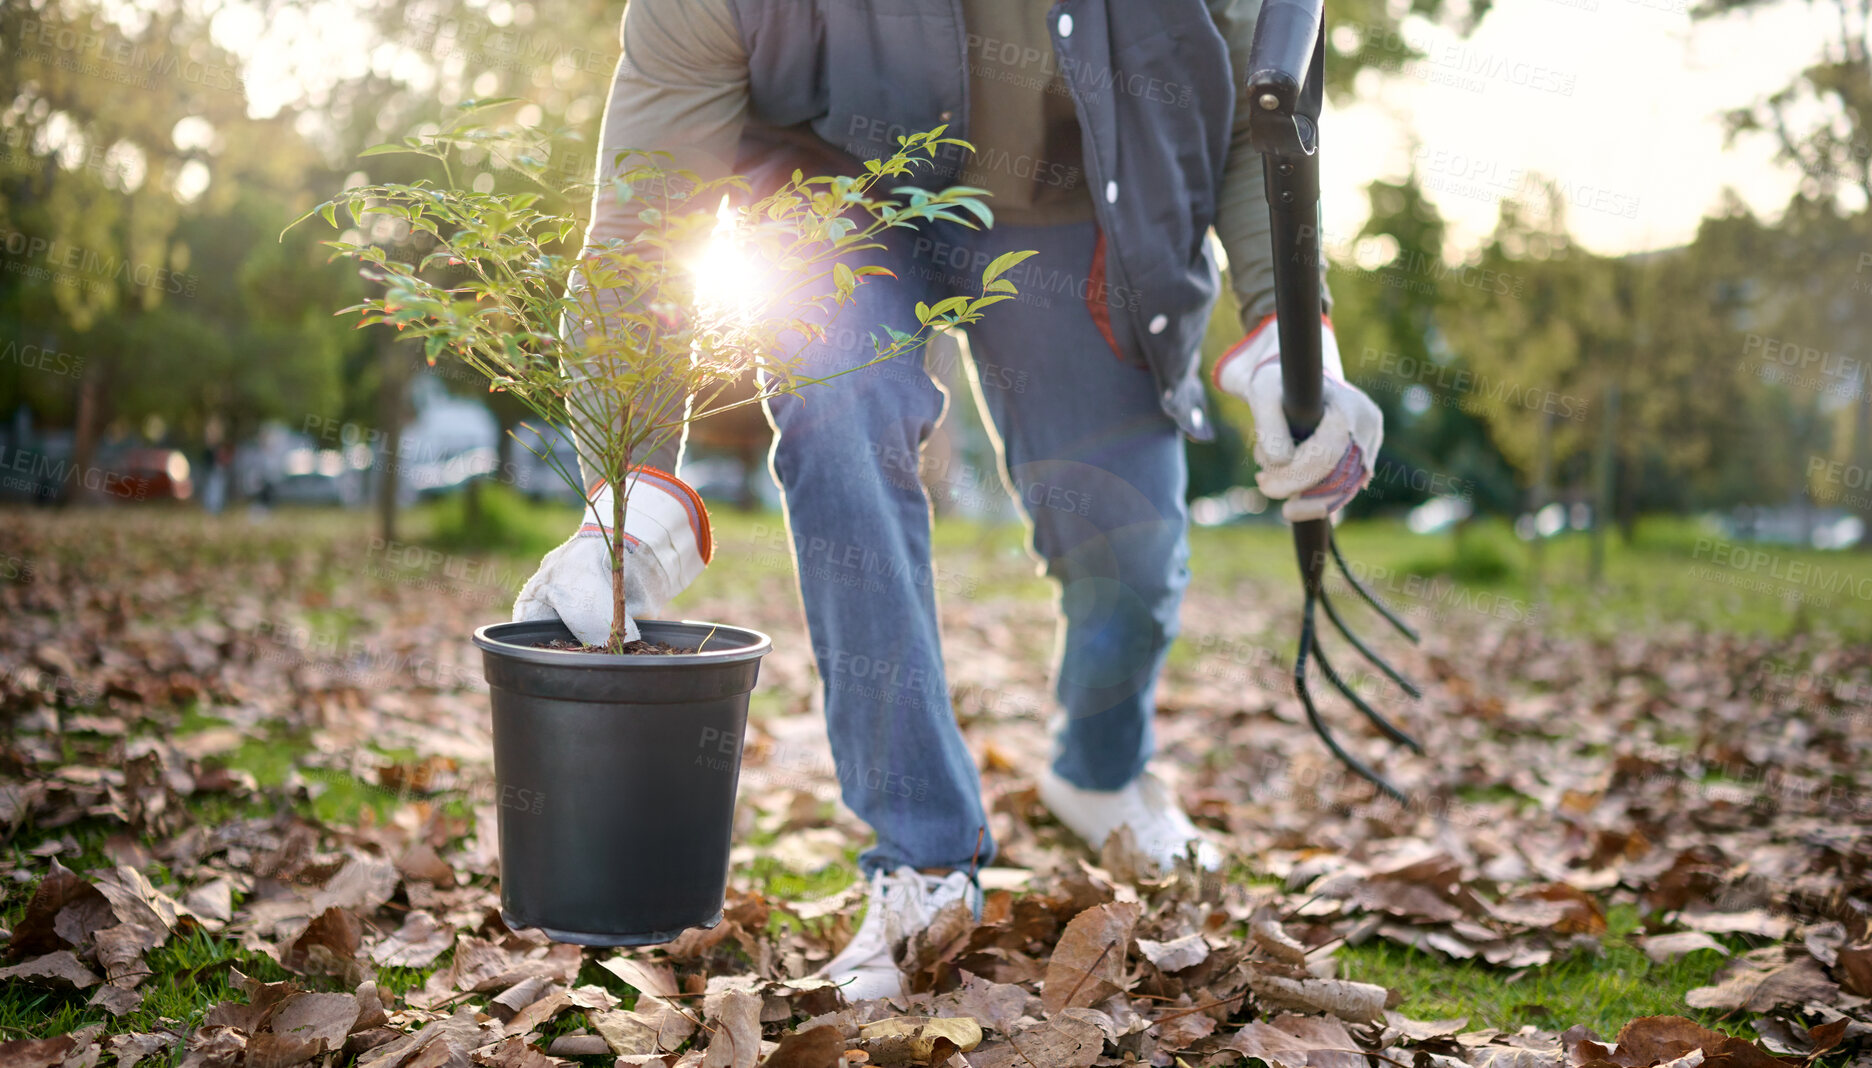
296,222
952,304
842,276
469,107
388,150
978,209
1003,262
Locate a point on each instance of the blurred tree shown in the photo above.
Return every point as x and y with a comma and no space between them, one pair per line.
1821,124
1389,298
134,193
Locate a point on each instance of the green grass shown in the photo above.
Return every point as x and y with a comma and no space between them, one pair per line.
781,883
1602,991
1668,575
498,519
190,974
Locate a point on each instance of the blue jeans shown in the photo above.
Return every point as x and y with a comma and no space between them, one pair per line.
1097,469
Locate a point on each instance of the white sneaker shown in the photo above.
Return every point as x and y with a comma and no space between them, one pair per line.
902,903
1163,832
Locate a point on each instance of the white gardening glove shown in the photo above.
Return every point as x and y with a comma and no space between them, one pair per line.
666,545
1323,473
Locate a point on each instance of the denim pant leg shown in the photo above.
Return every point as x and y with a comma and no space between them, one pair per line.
846,458
1100,473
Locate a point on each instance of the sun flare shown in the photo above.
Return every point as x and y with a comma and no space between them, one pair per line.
725,279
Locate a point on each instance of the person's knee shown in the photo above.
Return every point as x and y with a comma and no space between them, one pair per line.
872,422
1148,560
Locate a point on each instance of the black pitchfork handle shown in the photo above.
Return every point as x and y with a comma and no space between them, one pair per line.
1287,72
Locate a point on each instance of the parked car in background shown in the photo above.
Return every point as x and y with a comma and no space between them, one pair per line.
44,469
147,474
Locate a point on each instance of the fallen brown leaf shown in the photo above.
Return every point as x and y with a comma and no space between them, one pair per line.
1298,1042
1272,939
1176,954
60,969
1742,985
819,1047
137,1045
416,944
1088,964
898,1040
1855,969
1354,1002
734,1015
513,1053
323,1018
1665,948
35,1052
117,1000
62,913
1070,1039
658,978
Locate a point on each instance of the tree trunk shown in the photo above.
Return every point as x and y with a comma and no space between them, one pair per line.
1626,481
89,424
504,451
1543,492
1862,459
1603,479
395,371
471,504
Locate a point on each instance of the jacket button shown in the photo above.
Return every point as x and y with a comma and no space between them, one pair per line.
1065,25
946,115
1111,192
1158,322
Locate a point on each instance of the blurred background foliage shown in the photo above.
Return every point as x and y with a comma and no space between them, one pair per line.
141,203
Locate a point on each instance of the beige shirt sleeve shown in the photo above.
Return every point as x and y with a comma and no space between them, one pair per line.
681,86
1241,209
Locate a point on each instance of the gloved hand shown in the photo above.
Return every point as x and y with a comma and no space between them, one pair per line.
666,545
1323,473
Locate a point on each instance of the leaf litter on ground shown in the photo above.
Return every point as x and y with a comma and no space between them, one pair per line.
1689,776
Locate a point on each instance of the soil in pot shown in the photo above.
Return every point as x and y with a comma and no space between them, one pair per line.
640,647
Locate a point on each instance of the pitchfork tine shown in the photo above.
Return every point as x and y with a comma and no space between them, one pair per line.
1308,640
1332,613
1372,600
1326,669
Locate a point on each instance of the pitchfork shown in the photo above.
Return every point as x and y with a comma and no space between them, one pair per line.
1285,87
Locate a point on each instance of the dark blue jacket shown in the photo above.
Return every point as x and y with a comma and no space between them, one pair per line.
1151,82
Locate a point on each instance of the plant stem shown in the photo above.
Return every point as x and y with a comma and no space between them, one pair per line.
619,621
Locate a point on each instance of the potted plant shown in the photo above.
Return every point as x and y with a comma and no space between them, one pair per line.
617,764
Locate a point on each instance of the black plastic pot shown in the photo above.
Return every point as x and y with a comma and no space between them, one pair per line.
615,778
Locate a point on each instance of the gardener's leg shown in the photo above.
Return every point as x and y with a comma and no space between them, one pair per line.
846,457
1099,471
